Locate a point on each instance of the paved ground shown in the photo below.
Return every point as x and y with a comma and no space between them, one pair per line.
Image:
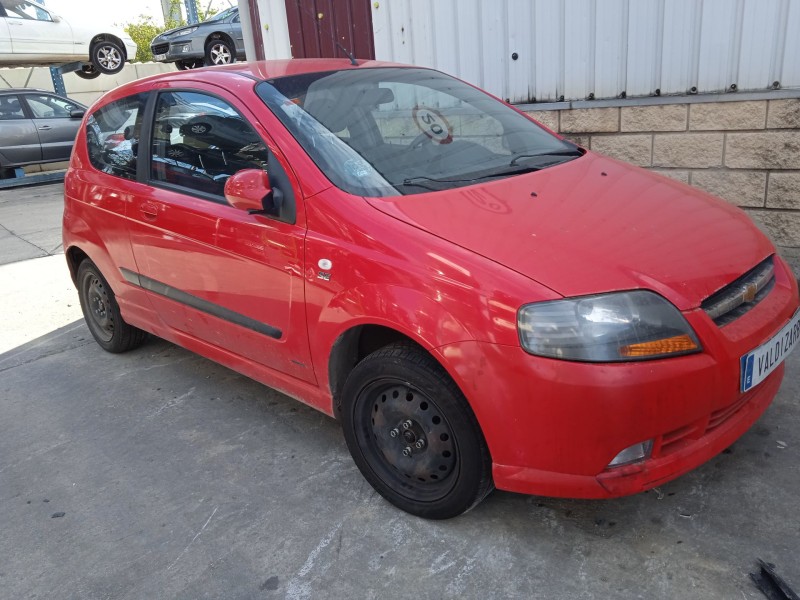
158,474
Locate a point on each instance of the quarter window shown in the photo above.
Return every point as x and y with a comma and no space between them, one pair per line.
112,136
199,141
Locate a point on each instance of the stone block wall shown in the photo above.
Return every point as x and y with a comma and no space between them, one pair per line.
746,152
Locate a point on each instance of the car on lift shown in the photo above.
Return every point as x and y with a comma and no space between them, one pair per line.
36,127
215,41
32,35
480,302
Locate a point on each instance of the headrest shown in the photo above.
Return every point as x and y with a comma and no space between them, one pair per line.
336,107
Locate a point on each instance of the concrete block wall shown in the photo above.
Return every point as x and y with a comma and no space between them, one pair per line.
747,152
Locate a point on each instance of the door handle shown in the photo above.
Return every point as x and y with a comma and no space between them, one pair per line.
150,211
44,127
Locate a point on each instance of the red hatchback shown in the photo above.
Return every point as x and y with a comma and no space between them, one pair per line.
479,302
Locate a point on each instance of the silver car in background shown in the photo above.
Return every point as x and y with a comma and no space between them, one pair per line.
216,41
36,127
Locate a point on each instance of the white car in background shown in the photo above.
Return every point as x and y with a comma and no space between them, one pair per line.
32,35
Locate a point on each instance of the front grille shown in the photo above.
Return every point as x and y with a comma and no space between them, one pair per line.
160,48
737,298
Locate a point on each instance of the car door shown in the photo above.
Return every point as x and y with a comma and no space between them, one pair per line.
214,272
19,142
235,31
35,32
5,38
55,125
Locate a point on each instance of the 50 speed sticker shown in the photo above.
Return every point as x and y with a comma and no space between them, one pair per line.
433,124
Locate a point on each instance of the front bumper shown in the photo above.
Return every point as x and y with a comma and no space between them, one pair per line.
554,426
178,49
130,49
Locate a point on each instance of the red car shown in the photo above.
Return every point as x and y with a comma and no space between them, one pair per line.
478,301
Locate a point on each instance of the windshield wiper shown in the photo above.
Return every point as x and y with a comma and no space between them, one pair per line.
517,171
569,152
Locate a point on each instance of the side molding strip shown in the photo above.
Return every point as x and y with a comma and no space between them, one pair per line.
205,306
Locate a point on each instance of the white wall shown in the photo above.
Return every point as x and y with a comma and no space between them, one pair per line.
574,48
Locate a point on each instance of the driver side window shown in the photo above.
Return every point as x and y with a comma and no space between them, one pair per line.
200,140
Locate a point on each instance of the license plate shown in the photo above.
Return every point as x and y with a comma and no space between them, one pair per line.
158,57
758,364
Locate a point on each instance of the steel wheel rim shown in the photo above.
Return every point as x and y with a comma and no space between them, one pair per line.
109,57
98,307
220,55
406,440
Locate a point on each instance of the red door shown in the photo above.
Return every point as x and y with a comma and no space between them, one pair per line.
316,26
214,272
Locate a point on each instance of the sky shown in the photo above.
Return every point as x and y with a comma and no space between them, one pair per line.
119,12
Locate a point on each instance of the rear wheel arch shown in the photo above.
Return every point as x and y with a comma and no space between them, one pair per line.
75,256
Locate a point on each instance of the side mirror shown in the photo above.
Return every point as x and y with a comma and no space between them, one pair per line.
249,190
76,113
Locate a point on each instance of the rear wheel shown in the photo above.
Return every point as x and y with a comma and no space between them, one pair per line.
88,71
413,435
101,312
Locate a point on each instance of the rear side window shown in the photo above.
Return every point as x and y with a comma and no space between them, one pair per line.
112,136
200,140
10,108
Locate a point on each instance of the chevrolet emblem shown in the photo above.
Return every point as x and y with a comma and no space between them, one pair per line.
749,292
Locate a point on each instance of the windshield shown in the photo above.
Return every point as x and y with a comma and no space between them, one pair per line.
390,131
221,15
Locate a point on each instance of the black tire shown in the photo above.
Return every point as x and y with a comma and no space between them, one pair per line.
101,312
185,65
394,399
88,71
108,57
219,52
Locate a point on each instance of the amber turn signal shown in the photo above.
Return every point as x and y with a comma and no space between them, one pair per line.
678,343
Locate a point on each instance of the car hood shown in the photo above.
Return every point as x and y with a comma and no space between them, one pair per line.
592,225
166,35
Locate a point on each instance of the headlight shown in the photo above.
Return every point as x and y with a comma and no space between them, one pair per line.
184,32
615,327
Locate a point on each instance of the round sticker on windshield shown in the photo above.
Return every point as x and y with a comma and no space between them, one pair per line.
433,124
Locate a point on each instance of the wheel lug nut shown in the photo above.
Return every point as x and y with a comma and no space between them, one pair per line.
407,424
420,444
394,432
407,451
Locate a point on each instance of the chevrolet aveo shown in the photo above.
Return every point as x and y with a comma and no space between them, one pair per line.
479,302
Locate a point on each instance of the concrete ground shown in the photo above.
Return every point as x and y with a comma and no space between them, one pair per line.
159,474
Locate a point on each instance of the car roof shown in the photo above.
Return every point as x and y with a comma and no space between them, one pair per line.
239,75
27,90
270,69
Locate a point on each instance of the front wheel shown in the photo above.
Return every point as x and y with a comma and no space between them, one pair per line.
412,434
192,63
219,52
101,312
108,57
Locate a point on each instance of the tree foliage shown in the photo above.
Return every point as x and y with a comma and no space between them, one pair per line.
145,28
